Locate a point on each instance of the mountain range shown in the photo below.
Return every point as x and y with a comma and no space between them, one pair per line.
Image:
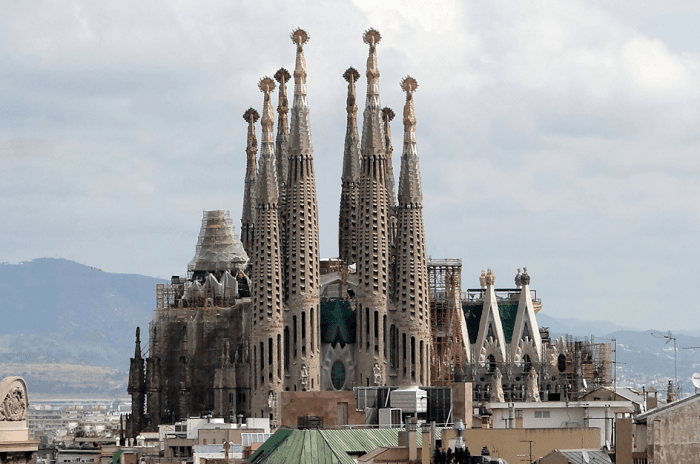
69,329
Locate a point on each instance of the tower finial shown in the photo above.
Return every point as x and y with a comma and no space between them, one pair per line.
137,350
409,182
351,75
251,116
372,37
267,175
300,37
409,85
282,76
347,225
248,217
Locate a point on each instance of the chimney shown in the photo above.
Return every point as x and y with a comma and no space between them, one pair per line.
411,438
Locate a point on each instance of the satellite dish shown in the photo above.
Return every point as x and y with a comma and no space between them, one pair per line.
586,458
696,380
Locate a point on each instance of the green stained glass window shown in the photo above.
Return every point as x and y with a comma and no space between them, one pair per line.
338,375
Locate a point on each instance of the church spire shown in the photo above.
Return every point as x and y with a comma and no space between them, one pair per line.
267,320
388,116
409,182
373,139
347,228
372,229
248,216
282,76
267,172
302,282
411,261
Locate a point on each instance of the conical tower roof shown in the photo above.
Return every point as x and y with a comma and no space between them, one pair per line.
218,246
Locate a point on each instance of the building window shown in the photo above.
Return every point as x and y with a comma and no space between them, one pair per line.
492,364
542,414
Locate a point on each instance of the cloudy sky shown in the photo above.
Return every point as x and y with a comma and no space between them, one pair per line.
561,136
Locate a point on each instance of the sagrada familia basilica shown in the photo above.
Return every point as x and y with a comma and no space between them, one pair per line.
264,314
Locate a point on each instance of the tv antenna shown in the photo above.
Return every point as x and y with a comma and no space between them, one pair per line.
669,336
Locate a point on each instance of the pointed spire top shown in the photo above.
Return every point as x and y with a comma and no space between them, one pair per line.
300,37
282,76
388,113
251,116
372,37
410,191
266,86
137,350
267,175
351,75
409,85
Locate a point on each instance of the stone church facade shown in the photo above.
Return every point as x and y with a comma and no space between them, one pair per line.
263,314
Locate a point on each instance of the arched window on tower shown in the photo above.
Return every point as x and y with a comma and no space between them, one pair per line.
527,364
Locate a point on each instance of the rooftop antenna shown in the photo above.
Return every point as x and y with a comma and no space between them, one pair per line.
669,336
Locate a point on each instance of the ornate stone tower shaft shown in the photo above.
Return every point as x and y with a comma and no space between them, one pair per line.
347,227
137,386
301,337
267,275
411,296
372,231
248,216
282,76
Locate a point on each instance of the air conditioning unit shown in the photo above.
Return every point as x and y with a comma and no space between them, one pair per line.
390,417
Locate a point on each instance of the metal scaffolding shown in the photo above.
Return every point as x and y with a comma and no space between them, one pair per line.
445,282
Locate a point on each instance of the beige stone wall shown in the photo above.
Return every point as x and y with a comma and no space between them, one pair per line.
623,441
508,443
674,436
322,404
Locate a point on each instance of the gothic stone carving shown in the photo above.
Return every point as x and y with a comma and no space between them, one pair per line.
14,403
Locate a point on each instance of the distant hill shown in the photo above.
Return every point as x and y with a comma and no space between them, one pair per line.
643,359
59,311
69,329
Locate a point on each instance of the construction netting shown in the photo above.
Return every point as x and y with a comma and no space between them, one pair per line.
218,246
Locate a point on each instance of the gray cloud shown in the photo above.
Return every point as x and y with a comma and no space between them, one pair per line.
561,136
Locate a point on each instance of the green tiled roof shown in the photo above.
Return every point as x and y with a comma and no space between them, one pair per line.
325,446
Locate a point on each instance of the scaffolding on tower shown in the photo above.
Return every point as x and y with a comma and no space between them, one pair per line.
444,280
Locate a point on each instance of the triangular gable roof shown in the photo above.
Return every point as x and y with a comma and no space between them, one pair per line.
491,315
526,315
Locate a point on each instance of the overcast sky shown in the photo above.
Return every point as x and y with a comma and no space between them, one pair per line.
561,136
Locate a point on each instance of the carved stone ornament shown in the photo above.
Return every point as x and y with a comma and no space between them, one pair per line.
304,375
496,387
490,277
525,277
377,371
518,281
532,390
482,279
13,392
